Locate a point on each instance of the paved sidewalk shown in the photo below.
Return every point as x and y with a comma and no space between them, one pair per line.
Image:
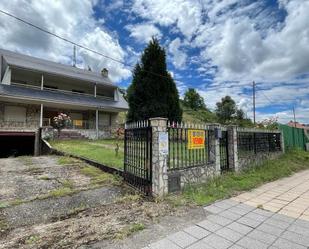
274,215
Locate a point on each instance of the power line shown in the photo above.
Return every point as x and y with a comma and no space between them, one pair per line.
79,45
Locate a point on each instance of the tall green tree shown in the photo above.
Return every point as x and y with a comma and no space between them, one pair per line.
226,109
153,92
193,100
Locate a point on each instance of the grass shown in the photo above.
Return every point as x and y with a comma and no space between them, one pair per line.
32,239
129,230
102,151
59,192
15,202
67,160
45,178
232,183
3,225
98,176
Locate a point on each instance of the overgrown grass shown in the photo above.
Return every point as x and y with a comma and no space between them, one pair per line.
32,239
3,225
129,230
231,183
102,151
67,160
98,176
10,203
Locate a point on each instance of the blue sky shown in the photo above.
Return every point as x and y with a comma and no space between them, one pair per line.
217,47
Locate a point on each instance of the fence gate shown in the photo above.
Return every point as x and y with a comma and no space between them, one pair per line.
224,157
137,156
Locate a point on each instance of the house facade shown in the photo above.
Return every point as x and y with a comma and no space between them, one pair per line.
33,91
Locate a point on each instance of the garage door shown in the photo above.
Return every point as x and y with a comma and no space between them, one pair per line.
16,144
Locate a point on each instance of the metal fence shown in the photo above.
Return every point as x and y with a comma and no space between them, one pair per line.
224,156
138,156
181,155
250,143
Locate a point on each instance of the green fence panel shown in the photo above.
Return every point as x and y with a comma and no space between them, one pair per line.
294,137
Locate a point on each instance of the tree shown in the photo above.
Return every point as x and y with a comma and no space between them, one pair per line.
240,115
226,109
193,100
153,92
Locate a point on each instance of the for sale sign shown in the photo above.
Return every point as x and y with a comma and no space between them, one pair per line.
196,139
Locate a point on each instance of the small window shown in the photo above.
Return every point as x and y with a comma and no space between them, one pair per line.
14,113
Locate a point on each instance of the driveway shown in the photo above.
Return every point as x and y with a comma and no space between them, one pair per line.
275,215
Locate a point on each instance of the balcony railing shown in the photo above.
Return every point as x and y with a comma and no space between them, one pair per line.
62,91
77,124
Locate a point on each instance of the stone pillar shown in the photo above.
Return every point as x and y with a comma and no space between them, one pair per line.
159,157
214,144
232,148
37,142
282,142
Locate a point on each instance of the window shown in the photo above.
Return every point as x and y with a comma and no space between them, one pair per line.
15,113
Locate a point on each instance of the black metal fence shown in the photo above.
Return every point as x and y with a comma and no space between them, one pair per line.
138,156
251,143
181,154
224,152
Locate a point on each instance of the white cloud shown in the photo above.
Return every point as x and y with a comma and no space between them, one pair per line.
73,20
240,50
143,32
179,57
185,14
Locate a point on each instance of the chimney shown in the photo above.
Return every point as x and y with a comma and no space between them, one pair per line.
104,72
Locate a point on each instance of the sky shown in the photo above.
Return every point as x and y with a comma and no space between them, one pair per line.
217,47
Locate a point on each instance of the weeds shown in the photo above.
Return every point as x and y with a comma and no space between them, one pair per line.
232,183
129,230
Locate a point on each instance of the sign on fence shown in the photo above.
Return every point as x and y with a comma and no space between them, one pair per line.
196,139
163,143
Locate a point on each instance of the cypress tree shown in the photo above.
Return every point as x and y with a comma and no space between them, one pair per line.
153,92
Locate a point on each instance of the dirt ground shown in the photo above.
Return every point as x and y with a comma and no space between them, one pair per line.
56,202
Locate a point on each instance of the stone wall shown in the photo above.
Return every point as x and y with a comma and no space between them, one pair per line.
184,177
256,159
32,117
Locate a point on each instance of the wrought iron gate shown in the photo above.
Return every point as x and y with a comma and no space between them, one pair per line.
224,152
138,156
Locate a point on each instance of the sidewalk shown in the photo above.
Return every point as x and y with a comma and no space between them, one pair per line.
275,215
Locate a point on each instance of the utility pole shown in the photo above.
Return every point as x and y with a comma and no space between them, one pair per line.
253,96
74,56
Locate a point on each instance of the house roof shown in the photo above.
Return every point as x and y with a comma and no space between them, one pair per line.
61,97
14,59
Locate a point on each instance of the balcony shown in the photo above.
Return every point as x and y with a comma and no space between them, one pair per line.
61,91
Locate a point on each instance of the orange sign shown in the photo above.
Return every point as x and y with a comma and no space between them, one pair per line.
196,139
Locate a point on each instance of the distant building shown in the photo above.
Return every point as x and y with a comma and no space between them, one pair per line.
299,125
33,91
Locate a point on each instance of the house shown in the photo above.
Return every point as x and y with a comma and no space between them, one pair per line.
300,126
33,91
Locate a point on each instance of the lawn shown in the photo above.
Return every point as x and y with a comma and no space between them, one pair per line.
102,151
232,183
